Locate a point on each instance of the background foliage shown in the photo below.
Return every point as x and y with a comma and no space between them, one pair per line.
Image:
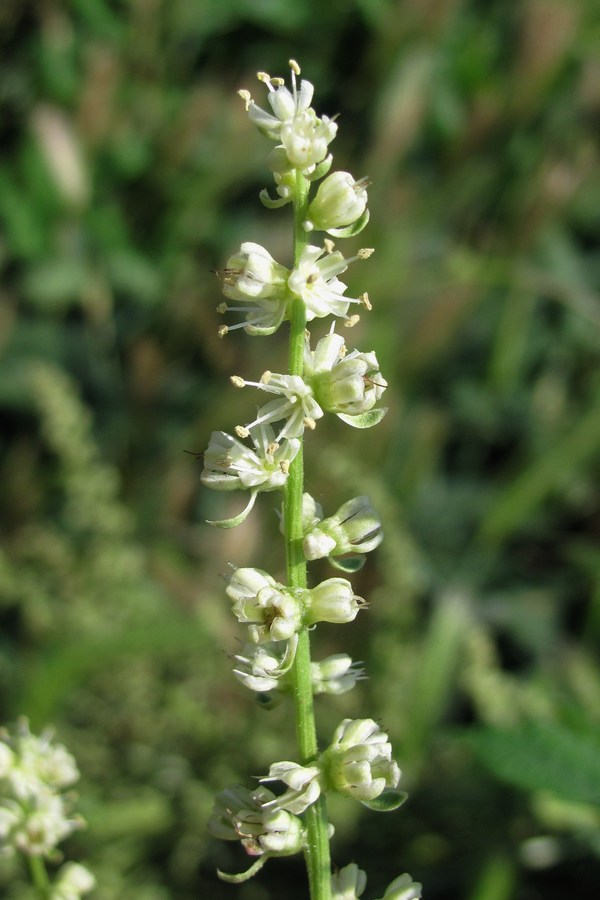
128,174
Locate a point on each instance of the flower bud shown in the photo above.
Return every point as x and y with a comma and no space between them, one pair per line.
355,528
335,675
253,274
339,201
333,601
359,760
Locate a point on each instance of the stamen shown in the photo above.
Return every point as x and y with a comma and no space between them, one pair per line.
223,330
365,253
237,381
364,299
265,377
241,431
246,97
222,308
294,66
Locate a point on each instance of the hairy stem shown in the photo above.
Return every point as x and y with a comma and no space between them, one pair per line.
317,852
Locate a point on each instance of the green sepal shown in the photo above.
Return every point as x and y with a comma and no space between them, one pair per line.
350,230
235,520
387,801
248,874
322,169
272,204
364,420
348,564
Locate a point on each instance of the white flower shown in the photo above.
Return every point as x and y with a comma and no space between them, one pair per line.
315,280
348,384
349,883
340,201
43,823
303,785
355,528
264,668
253,274
295,404
253,278
333,601
273,612
230,465
73,881
250,817
403,888
359,760
335,675
285,104
306,138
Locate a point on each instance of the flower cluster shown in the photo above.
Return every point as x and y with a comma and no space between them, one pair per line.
35,811
266,454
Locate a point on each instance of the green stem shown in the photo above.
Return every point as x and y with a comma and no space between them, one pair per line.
39,876
317,851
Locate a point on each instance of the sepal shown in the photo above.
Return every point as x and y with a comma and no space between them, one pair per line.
364,420
351,230
387,801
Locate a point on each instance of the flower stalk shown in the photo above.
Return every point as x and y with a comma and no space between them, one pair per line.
280,617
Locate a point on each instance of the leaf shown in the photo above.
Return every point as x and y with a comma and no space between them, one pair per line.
364,420
387,801
543,757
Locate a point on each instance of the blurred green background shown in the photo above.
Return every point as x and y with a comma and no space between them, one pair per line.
128,173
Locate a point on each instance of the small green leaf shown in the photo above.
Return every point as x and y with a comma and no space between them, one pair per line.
387,801
364,420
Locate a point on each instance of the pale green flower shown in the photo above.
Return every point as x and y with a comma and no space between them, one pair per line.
333,601
340,201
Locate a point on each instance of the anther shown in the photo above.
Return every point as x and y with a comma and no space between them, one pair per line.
364,299
351,321
265,377
222,331
365,253
237,381
241,431
294,66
